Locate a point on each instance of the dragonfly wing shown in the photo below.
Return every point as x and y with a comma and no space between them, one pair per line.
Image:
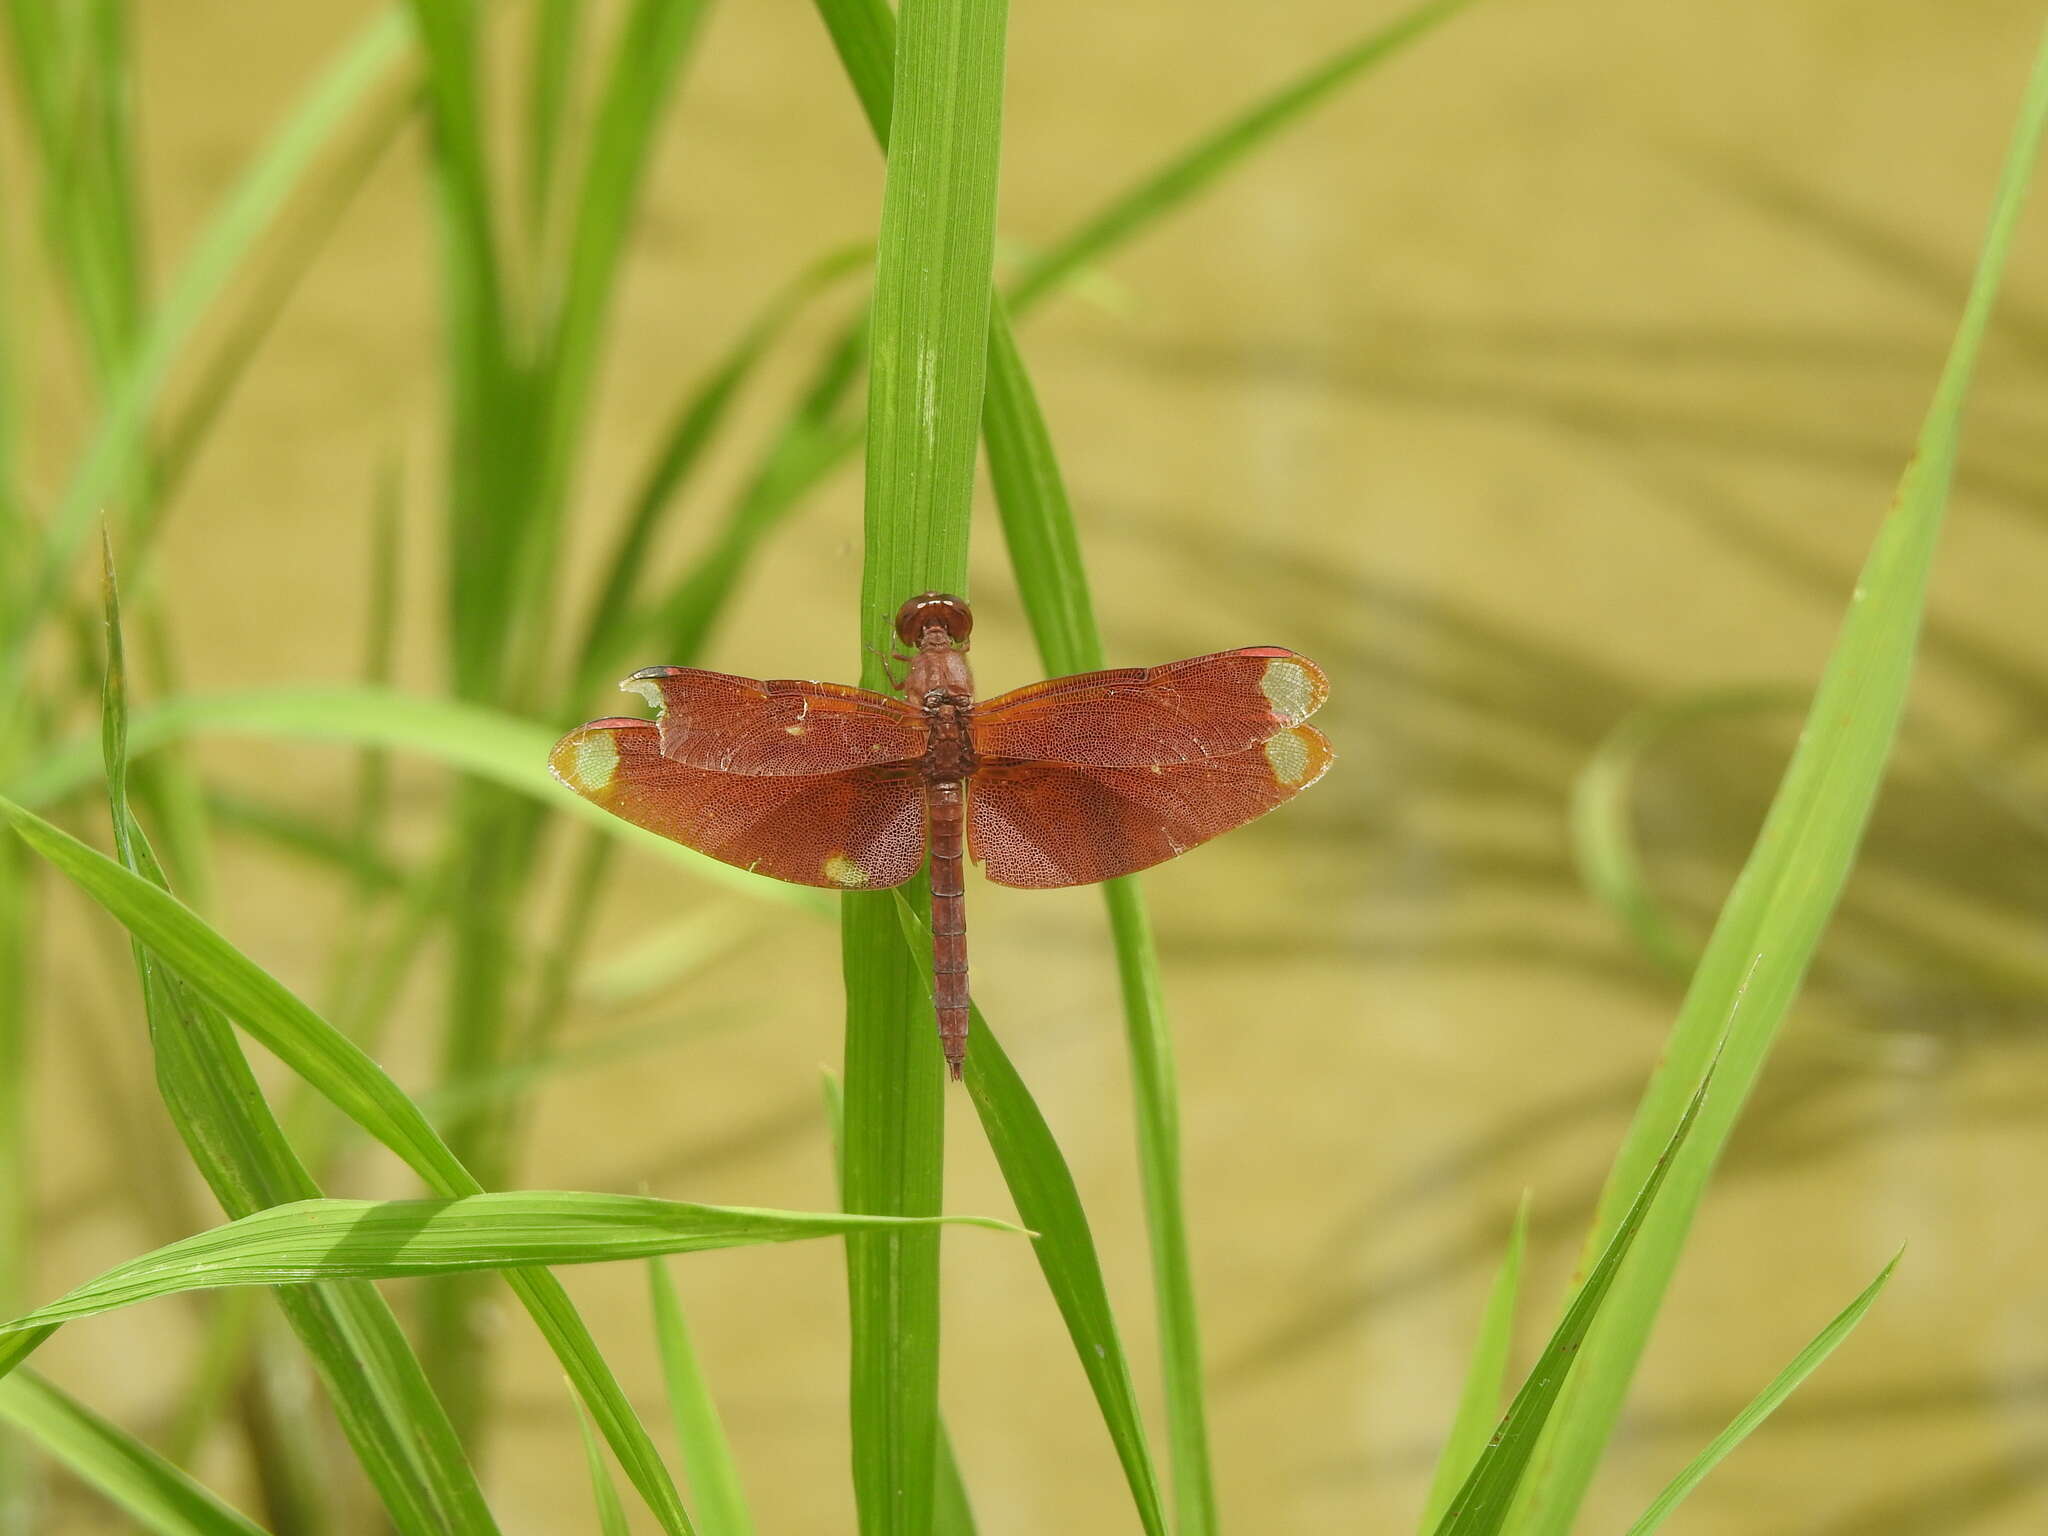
1043,824
1206,706
861,828
742,725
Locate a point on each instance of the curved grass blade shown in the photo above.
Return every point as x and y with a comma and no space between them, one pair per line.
391,1419
1603,793
929,355
309,1241
1764,1403
1479,1403
1487,1495
1794,875
1043,1187
151,1491
708,1467
470,737
340,1070
246,212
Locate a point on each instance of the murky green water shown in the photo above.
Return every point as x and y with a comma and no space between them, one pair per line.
1563,369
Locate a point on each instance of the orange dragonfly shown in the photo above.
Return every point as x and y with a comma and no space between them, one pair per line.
1063,783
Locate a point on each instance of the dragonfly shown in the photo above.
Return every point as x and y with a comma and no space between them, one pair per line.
1062,783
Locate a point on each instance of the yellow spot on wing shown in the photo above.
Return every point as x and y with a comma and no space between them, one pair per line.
793,730
646,687
1290,689
1289,757
591,765
841,870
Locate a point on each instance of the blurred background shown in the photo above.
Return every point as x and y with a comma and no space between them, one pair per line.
1548,383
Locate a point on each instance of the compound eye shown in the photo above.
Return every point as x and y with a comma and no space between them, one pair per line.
931,609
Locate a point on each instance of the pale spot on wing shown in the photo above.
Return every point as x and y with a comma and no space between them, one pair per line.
793,730
841,870
647,688
595,761
1290,690
1289,757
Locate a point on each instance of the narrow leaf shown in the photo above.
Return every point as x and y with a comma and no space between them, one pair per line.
314,1240
1764,1403
1484,1500
1788,889
477,740
708,1466
929,352
1479,1403
204,273
149,1490
340,1070
611,1515
1043,1187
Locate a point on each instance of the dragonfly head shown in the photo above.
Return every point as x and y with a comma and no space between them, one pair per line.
934,610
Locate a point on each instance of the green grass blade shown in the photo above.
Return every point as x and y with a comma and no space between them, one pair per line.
1602,836
550,85
1042,1186
1486,1497
952,1515
367,831
928,335
1045,551
1039,528
1763,1404
611,1515
1198,166
479,741
213,260
1479,1403
929,349
309,1241
396,1427
348,1078
149,1490
489,494
20,934
708,1467
864,36
1794,875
